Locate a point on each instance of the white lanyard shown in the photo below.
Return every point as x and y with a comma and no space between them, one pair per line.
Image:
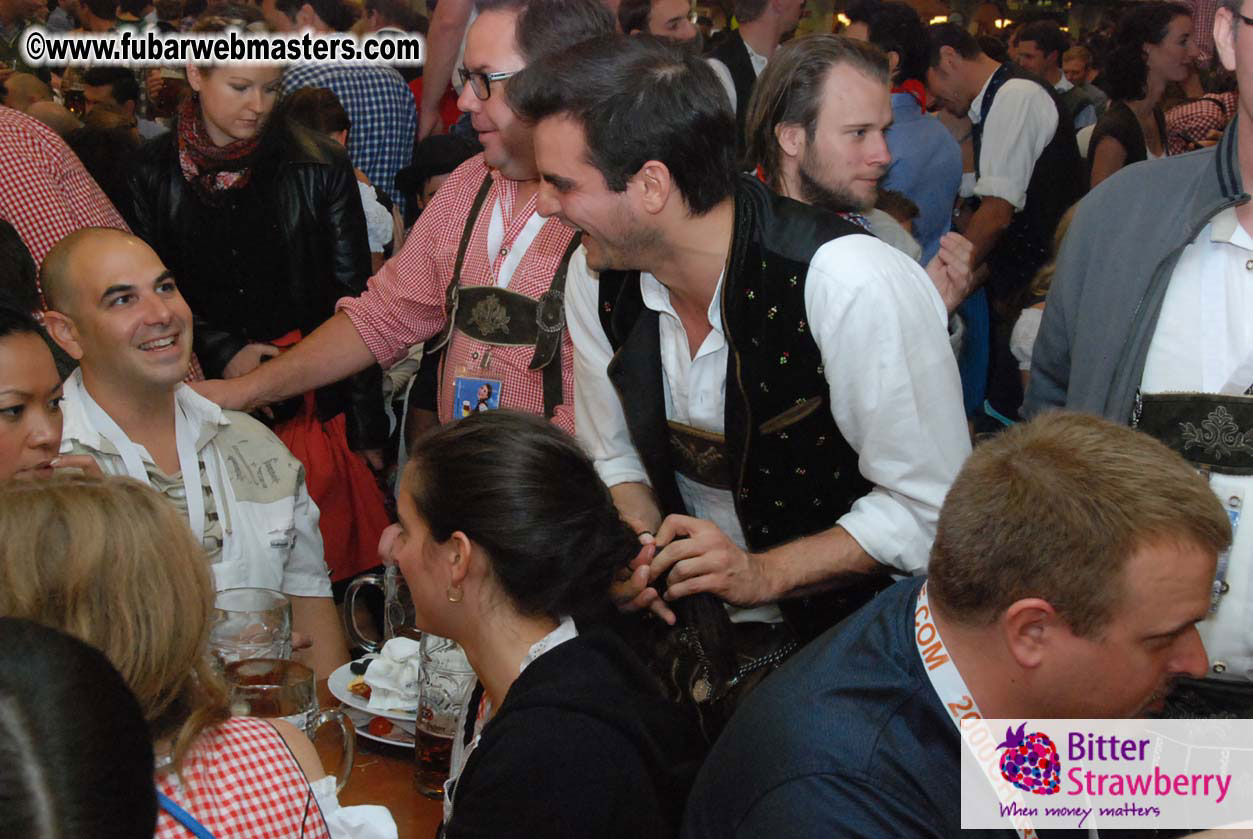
958,701
513,255
188,463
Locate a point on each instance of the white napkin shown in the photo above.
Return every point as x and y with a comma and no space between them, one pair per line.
362,821
393,676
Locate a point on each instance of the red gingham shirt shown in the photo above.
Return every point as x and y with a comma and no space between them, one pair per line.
241,782
404,303
1191,121
45,193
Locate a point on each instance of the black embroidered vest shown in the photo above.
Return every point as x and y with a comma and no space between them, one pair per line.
734,54
792,472
1057,181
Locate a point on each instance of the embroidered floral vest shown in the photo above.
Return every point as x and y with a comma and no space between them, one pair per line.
791,471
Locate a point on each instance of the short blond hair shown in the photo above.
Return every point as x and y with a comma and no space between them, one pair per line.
1054,508
112,563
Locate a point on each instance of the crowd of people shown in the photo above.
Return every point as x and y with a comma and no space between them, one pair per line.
683,374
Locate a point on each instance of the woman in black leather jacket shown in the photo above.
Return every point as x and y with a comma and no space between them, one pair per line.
261,224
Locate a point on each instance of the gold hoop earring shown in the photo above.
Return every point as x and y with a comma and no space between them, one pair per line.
454,594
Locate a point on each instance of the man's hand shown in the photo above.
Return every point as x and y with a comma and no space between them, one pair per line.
249,359
631,592
950,270
701,558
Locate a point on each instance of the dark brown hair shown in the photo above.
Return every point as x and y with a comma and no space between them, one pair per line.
524,492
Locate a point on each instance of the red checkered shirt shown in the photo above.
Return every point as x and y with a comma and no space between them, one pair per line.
404,303
1190,122
45,193
241,782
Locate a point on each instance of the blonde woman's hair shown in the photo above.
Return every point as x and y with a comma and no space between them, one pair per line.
111,562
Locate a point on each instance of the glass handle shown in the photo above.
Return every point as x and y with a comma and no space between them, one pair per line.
348,738
355,638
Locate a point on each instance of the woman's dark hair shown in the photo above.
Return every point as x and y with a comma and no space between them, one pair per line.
76,760
316,108
639,99
896,27
19,278
16,321
1126,71
526,493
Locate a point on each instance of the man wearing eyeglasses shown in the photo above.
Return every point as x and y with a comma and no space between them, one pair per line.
1148,323
481,273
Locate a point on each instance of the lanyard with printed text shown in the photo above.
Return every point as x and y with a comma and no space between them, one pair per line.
959,703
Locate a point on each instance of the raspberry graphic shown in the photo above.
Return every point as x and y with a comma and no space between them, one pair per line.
1030,762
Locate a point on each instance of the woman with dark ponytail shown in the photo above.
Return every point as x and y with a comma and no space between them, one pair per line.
509,543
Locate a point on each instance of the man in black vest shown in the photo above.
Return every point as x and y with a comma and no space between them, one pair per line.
1028,173
742,55
1040,47
762,385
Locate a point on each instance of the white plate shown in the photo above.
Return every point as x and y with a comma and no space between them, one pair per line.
338,685
398,736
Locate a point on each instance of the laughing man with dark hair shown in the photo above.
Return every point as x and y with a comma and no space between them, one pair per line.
783,410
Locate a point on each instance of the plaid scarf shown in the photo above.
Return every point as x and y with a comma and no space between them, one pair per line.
209,168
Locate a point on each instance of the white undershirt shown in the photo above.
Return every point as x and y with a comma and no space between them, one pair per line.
882,332
1204,332
1020,124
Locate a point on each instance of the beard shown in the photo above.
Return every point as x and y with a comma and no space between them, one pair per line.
836,198
630,251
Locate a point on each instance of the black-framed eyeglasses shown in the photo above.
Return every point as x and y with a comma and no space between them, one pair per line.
481,83
1248,20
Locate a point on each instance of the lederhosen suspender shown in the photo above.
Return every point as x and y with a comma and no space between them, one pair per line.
506,318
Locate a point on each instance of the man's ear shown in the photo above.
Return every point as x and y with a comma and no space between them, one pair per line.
791,138
62,330
1225,33
947,56
1031,628
656,185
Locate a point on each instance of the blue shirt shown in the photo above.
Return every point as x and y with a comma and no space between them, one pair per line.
926,168
383,113
848,740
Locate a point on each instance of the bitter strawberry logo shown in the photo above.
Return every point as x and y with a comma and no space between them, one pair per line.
1030,762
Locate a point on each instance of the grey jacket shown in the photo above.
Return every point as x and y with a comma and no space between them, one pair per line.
1112,274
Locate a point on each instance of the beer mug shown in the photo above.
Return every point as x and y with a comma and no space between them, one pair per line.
287,690
398,613
250,623
443,688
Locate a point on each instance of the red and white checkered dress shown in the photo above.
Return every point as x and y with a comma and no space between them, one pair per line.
404,304
241,782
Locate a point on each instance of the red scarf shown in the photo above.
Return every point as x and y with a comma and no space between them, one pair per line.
209,168
915,89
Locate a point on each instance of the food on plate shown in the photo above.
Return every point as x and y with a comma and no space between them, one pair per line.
380,727
358,687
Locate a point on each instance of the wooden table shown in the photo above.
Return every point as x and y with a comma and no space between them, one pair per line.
383,774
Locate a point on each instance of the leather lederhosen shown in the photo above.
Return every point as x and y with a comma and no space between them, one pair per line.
500,317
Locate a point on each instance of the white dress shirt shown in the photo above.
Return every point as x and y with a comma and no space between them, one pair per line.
1020,124
724,73
1204,333
881,329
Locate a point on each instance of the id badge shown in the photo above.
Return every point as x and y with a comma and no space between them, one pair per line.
477,387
